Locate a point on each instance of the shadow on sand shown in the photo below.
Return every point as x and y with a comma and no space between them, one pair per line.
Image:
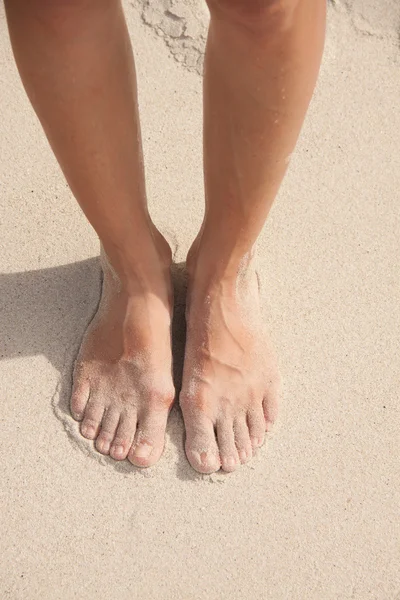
45,312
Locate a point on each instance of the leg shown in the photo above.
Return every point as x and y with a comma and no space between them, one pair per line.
261,66
76,63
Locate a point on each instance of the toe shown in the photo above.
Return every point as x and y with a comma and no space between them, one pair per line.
79,398
270,407
148,444
270,414
124,436
256,425
109,426
91,421
201,446
227,446
242,440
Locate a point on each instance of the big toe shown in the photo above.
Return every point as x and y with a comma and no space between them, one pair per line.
201,446
270,406
149,441
257,425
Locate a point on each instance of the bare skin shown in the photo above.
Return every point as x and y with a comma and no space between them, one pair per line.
77,66
262,61
231,382
123,387
76,63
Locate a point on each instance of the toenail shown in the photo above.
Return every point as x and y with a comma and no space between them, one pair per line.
77,416
230,462
118,450
88,430
101,446
243,455
204,458
143,450
255,442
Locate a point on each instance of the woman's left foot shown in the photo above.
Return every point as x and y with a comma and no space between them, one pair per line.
231,380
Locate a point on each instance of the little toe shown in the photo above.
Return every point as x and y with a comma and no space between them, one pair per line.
79,399
242,440
90,425
227,447
109,426
201,446
149,441
124,436
256,425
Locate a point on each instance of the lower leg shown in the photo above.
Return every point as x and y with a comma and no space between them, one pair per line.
261,66
77,66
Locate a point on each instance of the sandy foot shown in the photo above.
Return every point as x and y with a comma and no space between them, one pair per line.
123,387
231,380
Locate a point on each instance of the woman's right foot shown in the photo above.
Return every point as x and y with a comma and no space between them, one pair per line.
123,388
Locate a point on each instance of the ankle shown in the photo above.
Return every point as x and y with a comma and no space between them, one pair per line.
141,261
218,272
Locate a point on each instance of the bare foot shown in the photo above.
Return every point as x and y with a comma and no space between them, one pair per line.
231,380
123,387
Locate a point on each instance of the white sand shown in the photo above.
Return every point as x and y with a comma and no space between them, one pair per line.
316,515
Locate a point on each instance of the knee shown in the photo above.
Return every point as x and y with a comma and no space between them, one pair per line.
255,15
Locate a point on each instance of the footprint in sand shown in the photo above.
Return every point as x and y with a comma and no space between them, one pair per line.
375,19
183,25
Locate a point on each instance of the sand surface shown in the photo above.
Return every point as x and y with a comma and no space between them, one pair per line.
316,515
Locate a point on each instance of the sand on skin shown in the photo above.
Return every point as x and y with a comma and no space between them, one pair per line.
315,515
